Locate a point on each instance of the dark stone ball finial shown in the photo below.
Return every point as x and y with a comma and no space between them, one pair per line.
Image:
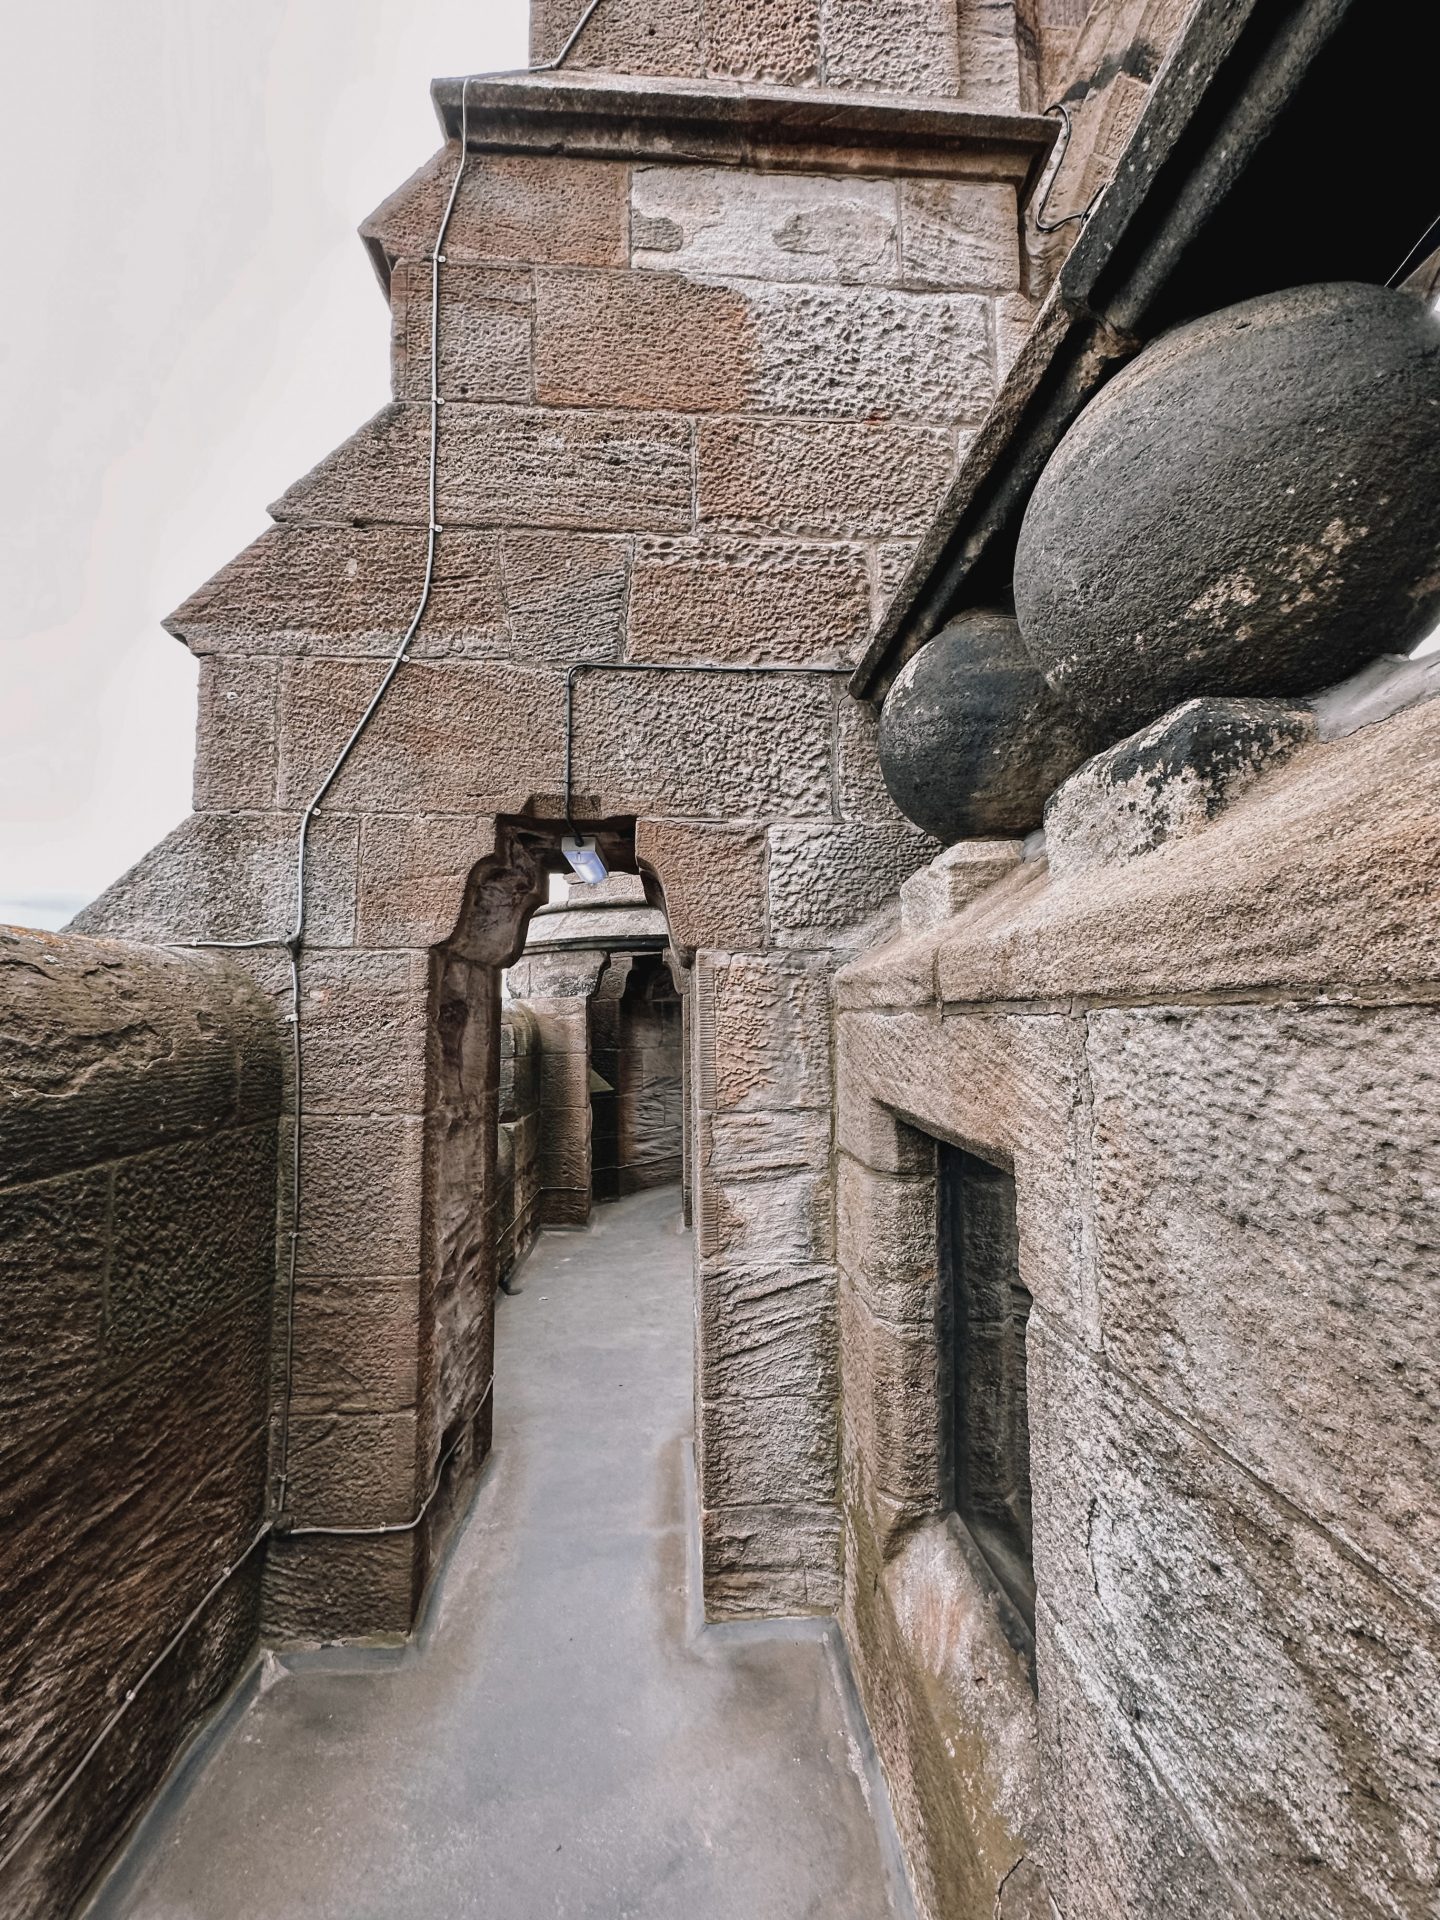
972,741
1251,507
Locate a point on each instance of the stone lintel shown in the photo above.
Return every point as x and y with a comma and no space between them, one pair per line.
718,123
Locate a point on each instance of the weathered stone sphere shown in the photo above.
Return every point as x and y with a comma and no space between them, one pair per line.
971,740
1251,506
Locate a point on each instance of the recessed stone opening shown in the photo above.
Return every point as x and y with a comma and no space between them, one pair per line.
985,1311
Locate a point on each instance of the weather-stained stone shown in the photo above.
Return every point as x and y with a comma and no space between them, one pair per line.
902,46
520,207
1249,566
706,746
960,233
591,471
453,737
953,879
486,324
887,1242
989,58
713,879
862,793
355,1345
1222,1622
236,762
748,602
846,480
1263,1227
316,1588
785,1219
824,878
364,1018
565,597
765,226
412,876
650,339
894,1405
768,40
222,876
780,1449
742,1146
763,1032
766,1330
779,1539
352,590
643,36
1169,780
972,739
346,1156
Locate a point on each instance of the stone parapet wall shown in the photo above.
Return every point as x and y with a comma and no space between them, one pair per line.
139,1102
1213,1067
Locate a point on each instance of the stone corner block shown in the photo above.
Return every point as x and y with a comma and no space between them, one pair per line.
953,879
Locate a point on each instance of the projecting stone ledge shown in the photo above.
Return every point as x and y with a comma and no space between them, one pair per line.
599,116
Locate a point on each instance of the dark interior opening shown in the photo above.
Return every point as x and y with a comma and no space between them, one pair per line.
986,1310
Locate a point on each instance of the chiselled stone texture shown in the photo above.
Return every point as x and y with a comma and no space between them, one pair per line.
749,602
1227,1222
139,1095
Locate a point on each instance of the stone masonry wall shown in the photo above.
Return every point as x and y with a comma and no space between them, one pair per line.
139,1103
518,1150
1214,1069
695,416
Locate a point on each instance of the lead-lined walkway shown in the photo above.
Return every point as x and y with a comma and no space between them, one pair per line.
564,1744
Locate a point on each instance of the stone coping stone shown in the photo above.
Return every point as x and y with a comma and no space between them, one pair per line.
811,128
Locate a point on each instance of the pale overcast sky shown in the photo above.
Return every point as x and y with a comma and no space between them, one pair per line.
190,324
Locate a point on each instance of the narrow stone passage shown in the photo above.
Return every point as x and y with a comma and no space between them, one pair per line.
564,1744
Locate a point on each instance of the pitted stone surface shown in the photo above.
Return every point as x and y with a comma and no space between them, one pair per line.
748,602
832,479
527,208
1168,781
1250,506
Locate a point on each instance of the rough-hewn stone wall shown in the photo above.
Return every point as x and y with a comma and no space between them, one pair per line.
694,416
965,47
139,1103
1213,1065
517,1157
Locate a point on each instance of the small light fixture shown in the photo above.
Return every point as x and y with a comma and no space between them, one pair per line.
585,861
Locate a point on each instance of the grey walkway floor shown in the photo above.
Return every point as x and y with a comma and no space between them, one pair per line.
564,1743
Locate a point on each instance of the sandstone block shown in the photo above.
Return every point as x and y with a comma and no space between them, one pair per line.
953,879
713,879
748,602
896,46
776,1451
319,1590
787,1219
1168,781
1265,1186
586,471
236,762
893,1405
765,226
961,233
652,340
351,590
566,596
888,1244
732,747
353,1469
52,1271
486,325
826,878
861,784
361,1207
356,1345
523,207
775,40
413,875
762,1027
451,738
1242,1641
645,36
232,877
749,1540
766,1330
364,1022
838,479
192,1235
746,1146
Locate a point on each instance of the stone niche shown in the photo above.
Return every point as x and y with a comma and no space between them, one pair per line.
1204,1043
